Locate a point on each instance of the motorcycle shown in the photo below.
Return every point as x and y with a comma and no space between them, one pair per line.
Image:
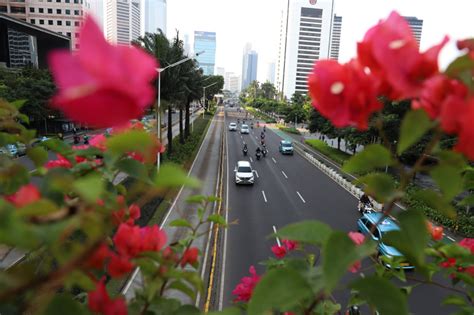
264,152
262,142
77,139
264,129
245,151
365,208
258,155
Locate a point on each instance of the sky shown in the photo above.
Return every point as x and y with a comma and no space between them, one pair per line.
237,22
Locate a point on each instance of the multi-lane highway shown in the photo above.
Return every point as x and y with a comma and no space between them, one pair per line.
288,189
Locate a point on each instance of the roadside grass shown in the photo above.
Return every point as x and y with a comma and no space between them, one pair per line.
334,154
292,130
259,115
184,155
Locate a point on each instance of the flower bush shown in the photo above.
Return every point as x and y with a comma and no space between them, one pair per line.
77,224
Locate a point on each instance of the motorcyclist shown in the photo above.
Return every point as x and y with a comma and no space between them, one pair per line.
364,201
77,139
262,135
86,139
264,128
353,310
245,149
264,149
251,125
258,152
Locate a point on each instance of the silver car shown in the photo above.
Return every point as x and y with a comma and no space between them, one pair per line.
244,129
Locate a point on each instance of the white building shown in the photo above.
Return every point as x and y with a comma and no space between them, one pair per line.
271,73
336,37
95,8
220,71
122,21
155,15
187,45
305,37
416,26
232,82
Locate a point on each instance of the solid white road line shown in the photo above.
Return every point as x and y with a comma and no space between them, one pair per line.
251,160
256,173
452,239
301,197
284,174
221,294
278,240
274,161
264,197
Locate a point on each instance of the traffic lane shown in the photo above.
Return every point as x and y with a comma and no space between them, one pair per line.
332,204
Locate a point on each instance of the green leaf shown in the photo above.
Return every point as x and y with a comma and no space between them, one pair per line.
38,208
18,103
449,180
312,232
187,310
412,238
467,201
196,199
279,289
379,185
182,287
218,219
23,118
89,187
133,168
327,308
468,179
436,201
131,141
63,302
459,65
414,125
454,300
227,311
12,177
382,294
339,253
372,157
38,155
181,223
172,176
58,146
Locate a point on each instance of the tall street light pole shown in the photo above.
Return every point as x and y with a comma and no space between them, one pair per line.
158,113
204,95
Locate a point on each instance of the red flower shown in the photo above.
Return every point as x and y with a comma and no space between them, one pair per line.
153,238
98,141
100,302
279,251
102,85
468,243
290,245
391,52
190,256
467,44
98,258
169,254
358,239
244,289
60,162
450,262
119,265
25,195
344,94
437,233
132,240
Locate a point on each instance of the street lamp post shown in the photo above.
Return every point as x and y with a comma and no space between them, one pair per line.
204,96
158,114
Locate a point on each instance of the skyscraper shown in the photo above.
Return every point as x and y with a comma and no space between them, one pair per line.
249,67
186,46
122,21
271,72
155,15
61,17
305,37
205,41
416,26
232,82
96,9
336,37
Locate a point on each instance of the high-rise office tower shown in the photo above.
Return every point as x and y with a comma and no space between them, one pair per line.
205,41
271,72
306,35
63,17
416,26
336,37
122,21
155,15
249,67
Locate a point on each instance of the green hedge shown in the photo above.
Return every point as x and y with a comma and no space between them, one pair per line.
261,116
292,130
333,153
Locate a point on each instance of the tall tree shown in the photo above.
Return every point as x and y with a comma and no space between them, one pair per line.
268,90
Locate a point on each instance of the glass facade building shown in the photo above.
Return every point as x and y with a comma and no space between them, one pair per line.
155,16
205,41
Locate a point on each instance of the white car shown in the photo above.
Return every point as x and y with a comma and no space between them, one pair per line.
232,127
244,173
244,129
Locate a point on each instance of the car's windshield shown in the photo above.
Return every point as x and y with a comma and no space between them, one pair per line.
286,145
244,169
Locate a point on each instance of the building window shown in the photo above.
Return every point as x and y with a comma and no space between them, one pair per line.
50,11
50,0
68,12
60,23
68,23
58,11
68,34
41,22
58,0
67,1
32,21
3,8
76,1
61,33
76,12
50,22
17,10
76,23
41,10
32,10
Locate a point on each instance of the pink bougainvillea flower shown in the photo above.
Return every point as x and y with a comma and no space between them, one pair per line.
290,245
391,53
468,243
98,258
467,44
25,195
344,94
244,289
456,118
100,302
435,92
61,161
279,251
133,240
190,256
98,141
119,265
358,239
102,85
153,238
448,263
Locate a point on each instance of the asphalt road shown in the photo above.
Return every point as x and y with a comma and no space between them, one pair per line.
289,189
